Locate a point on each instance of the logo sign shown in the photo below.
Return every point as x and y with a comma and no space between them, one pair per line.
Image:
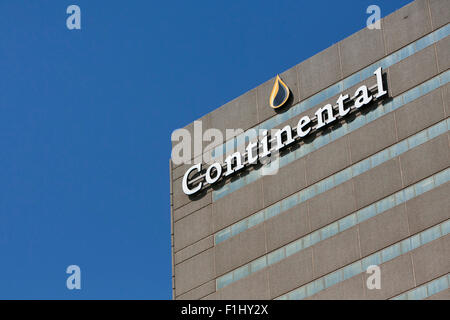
259,150
279,94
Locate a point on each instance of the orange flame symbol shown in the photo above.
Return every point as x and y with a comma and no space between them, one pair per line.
279,94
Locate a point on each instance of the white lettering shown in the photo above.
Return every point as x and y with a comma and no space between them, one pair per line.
320,113
340,102
251,157
381,91
229,160
265,151
279,135
218,169
185,182
364,98
302,123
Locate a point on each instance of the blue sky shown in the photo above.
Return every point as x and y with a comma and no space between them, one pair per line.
86,118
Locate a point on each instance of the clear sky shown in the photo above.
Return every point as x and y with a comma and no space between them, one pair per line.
86,118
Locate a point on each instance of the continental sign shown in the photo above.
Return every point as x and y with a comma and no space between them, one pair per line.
194,180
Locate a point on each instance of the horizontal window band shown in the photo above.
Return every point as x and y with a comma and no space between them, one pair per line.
346,128
426,290
377,258
342,85
336,227
334,180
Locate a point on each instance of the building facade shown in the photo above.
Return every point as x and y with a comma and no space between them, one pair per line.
370,188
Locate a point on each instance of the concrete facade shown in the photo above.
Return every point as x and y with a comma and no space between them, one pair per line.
201,263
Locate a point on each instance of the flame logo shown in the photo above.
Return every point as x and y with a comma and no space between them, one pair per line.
279,94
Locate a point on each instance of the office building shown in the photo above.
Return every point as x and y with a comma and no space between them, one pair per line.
369,188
